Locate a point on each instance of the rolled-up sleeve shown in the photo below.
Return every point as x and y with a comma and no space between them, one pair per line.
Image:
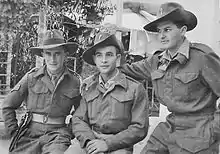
13,101
80,124
211,74
138,128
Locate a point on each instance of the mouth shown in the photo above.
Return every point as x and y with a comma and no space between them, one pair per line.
53,64
104,66
164,41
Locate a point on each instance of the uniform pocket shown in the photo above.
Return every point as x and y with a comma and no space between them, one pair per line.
196,139
39,96
121,106
186,84
67,99
193,144
186,77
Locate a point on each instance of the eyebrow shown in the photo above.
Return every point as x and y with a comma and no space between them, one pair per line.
164,27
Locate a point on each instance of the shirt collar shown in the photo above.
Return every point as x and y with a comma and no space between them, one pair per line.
182,54
118,79
109,82
43,71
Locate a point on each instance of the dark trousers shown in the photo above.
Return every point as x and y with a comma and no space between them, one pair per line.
44,139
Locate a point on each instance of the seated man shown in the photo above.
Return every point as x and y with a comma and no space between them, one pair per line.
50,92
113,112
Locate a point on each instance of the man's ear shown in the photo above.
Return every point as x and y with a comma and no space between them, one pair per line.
183,30
118,61
93,57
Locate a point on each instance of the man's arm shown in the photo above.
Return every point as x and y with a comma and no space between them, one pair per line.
138,128
211,74
80,124
140,70
13,101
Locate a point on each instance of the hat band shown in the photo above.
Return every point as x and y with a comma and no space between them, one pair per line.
53,41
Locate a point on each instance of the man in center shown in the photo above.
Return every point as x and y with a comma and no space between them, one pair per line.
113,114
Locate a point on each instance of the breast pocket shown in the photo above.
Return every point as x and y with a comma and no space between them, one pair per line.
67,99
94,103
121,104
186,83
39,96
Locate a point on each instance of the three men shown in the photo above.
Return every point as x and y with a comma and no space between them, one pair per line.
113,112
186,78
49,92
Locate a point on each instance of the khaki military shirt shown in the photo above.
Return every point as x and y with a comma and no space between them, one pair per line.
41,96
121,110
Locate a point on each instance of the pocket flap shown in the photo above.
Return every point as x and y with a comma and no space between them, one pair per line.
121,96
186,77
71,93
89,96
193,144
39,89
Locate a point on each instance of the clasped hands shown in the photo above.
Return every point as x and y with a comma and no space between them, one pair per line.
96,146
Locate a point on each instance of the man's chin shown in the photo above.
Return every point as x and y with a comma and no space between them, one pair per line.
53,70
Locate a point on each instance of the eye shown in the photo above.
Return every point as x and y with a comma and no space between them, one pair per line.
58,53
98,55
47,53
167,29
109,54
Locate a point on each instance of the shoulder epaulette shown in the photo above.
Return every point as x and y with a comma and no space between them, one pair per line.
157,52
131,79
201,47
33,70
87,82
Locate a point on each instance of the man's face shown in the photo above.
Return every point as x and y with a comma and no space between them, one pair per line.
54,59
106,60
170,36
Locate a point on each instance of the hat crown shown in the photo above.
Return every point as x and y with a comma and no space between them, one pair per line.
53,37
166,8
101,37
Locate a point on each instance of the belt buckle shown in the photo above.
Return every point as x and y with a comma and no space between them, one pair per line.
45,118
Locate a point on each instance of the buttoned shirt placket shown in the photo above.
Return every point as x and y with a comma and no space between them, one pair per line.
46,116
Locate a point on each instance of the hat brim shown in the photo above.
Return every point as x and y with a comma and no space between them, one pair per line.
70,46
88,54
185,16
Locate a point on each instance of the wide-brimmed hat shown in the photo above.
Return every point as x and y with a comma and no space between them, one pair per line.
102,39
175,13
51,39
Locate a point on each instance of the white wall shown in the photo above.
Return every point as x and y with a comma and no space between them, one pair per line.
208,14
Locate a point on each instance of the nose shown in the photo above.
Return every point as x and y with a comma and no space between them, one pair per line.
104,59
161,35
53,57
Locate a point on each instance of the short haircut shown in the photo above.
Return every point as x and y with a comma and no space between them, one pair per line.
179,23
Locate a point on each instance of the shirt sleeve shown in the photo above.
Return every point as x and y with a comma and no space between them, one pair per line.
211,74
139,70
138,128
12,102
80,124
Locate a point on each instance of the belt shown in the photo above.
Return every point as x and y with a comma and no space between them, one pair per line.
48,120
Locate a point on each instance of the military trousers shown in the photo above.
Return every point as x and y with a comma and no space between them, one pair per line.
183,135
44,139
75,148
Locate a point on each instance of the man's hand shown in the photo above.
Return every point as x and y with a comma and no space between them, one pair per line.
96,146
